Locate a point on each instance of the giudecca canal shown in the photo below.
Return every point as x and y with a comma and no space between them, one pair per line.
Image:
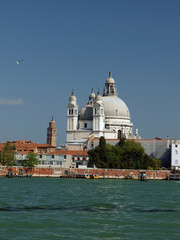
54,208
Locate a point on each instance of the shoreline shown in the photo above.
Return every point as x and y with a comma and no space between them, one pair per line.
73,172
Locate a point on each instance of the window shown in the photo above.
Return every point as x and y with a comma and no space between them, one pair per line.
52,156
40,156
64,156
85,125
70,111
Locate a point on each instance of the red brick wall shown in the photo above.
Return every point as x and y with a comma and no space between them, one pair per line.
102,173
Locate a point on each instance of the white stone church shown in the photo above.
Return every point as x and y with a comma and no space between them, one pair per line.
106,115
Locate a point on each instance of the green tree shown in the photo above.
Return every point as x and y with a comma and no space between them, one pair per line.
132,155
31,160
155,164
122,142
113,156
128,155
102,150
94,159
7,156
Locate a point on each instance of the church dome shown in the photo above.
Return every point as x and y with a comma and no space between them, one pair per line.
92,95
72,98
115,107
98,98
86,112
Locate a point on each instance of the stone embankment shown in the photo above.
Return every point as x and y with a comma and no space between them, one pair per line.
102,173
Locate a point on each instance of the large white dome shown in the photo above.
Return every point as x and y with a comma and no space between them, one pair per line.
115,107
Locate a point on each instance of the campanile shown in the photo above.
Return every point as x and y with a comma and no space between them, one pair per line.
51,133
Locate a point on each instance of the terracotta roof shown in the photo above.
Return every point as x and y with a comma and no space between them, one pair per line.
69,152
45,146
26,145
24,152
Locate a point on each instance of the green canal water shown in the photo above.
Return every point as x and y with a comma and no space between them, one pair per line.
55,208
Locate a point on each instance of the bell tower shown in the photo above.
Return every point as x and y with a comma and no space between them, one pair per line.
51,133
72,117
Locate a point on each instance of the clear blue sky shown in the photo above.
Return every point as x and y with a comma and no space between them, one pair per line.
69,44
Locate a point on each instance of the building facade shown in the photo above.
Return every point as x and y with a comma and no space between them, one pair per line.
106,115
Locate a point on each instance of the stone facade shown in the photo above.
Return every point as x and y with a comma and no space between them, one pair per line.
106,115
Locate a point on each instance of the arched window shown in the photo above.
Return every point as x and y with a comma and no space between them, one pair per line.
119,134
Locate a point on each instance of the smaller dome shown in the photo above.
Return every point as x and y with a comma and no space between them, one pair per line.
72,98
86,112
98,98
92,95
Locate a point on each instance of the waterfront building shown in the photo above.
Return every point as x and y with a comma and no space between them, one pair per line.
106,115
58,159
24,146
175,155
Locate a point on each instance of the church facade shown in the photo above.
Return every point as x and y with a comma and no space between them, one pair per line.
105,115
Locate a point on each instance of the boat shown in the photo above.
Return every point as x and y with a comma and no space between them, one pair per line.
94,176
142,176
86,175
134,178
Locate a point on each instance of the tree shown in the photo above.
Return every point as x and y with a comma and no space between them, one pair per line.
132,155
122,142
7,156
31,160
102,149
127,155
113,156
155,163
94,159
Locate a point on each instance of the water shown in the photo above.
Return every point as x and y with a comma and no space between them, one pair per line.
48,208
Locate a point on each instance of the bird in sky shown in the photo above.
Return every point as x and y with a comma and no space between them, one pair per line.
18,62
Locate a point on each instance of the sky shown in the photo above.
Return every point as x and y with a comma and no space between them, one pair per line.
69,44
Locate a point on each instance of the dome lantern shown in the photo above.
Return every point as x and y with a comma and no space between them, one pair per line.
110,88
72,99
91,96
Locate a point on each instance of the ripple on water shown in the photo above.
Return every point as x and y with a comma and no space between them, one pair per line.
82,209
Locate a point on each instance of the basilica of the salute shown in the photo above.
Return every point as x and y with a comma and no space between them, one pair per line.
105,115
